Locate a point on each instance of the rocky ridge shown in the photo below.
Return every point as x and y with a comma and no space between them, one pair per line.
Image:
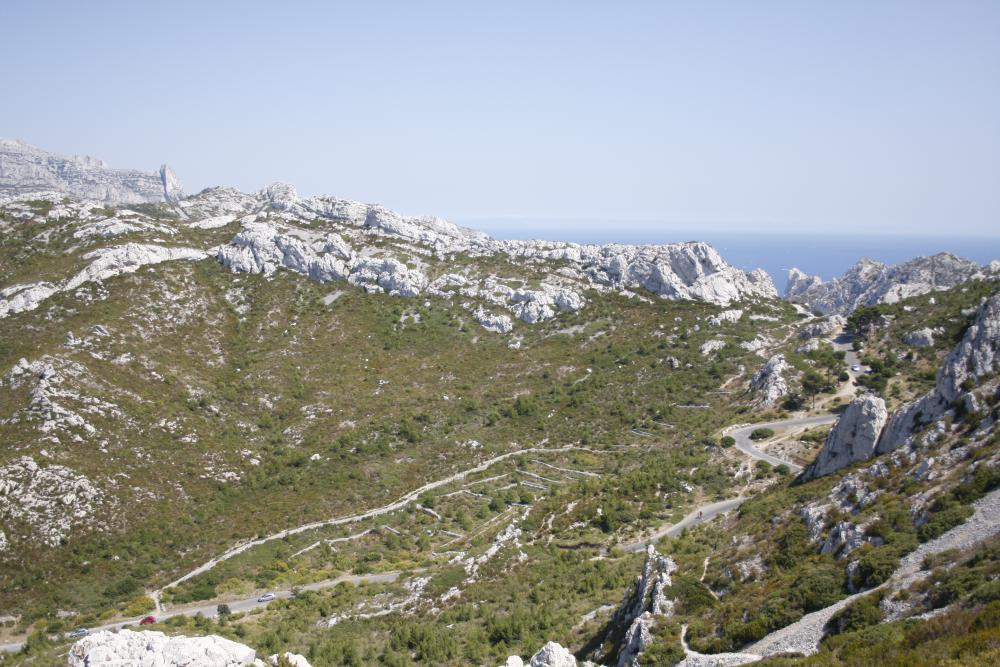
869,282
378,250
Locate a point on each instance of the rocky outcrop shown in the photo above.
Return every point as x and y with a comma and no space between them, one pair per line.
24,168
493,322
869,282
864,431
105,263
553,654
852,439
648,602
823,328
975,358
920,338
769,384
155,649
49,499
710,346
731,316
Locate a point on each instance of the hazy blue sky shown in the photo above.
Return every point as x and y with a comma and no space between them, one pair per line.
870,115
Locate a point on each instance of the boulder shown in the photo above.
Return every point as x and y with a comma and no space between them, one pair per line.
155,649
852,439
553,654
769,383
920,338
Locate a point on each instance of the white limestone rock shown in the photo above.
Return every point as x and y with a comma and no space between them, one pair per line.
155,649
553,654
869,282
288,658
21,298
799,284
920,338
823,328
758,345
491,322
214,222
710,346
769,384
105,263
387,274
852,439
108,227
647,603
26,169
731,316
976,357
52,500
114,261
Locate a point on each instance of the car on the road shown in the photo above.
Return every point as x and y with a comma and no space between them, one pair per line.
266,597
79,632
856,368
148,620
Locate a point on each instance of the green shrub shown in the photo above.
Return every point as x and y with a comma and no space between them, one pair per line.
728,441
761,434
862,613
943,521
818,588
876,566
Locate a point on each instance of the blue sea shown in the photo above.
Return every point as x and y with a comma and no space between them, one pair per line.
825,255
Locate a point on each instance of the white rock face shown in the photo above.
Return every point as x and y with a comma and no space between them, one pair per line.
852,439
869,282
492,322
823,328
976,357
553,655
648,602
920,338
24,168
110,262
155,649
732,316
214,222
710,346
105,263
769,383
19,298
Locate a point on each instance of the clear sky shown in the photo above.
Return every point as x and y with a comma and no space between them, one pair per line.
866,115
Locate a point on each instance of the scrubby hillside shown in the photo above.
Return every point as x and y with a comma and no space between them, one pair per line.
438,448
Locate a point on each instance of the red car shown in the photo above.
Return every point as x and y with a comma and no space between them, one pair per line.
149,620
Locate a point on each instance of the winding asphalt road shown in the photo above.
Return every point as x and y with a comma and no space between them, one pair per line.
743,443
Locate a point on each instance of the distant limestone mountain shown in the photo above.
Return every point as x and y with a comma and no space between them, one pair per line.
869,282
26,169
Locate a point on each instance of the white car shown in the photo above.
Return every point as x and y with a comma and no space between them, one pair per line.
856,368
266,597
